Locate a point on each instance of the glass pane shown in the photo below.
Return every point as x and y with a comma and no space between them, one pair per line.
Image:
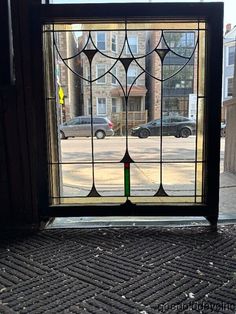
179,179
201,63
199,180
91,200
109,179
144,179
76,149
76,180
167,25
179,148
162,200
138,148
200,129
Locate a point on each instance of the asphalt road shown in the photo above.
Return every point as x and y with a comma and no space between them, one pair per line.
112,149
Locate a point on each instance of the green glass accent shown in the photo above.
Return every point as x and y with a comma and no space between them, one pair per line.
127,179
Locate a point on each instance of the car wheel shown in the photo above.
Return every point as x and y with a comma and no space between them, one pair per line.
62,136
100,135
185,132
144,133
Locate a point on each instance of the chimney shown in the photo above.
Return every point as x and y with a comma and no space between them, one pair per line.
228,28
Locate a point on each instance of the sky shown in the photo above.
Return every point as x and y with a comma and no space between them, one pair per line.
229,8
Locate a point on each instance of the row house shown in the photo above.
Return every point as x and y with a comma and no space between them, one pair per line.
110,82
179,85
228,65
103,80
67,82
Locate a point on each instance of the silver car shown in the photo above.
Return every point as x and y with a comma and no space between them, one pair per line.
81,126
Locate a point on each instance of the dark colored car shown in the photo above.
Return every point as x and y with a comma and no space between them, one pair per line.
81,126
172,125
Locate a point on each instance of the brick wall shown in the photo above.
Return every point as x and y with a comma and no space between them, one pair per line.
104,90
153,86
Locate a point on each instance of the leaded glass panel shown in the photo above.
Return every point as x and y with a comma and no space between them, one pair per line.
149,151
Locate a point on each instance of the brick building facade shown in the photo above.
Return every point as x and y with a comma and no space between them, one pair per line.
108,76
66,42
178,73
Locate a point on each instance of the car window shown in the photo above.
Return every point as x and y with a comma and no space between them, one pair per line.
154,122
186,119
177,119
85,121
73,122
99,121
166,120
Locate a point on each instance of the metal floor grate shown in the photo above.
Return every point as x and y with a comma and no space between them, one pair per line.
119,270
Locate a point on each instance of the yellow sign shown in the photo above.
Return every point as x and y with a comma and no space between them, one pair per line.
61,95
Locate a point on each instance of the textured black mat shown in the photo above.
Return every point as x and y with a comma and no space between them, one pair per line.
125,270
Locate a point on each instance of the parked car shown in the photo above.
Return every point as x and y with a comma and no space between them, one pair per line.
81,126
171,125
223,129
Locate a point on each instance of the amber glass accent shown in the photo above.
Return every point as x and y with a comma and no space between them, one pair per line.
201,63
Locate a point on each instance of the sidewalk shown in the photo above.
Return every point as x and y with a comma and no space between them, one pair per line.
227,194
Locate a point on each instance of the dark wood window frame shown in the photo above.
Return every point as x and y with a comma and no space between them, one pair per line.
212,14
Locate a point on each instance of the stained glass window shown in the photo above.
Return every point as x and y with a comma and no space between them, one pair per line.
150,152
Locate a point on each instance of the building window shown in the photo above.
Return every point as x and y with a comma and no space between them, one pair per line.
231,55
89,106
187,40
177,39
101,41
133,45
131,76
113,77
229,87
179,84
114,43
101,106
134,103
101,70
114,105
181,42
190,39
176,106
